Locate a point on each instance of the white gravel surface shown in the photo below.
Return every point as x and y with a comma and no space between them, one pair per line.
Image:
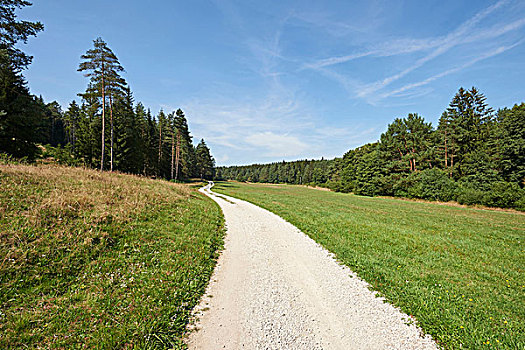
275,288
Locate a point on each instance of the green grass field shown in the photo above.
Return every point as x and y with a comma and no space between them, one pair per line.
459,271
100,260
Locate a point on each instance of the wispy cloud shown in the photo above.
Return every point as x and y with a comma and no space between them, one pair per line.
473,61
468,32
392,48
451,40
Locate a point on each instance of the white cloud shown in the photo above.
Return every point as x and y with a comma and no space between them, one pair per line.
270,129
277,145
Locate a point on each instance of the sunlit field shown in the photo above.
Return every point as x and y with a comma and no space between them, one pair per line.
458,270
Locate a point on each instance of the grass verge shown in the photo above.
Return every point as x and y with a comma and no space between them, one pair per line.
459,271
100,260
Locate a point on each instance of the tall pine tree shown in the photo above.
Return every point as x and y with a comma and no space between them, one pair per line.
102,67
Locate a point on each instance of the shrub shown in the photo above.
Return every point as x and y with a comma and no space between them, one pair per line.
499,194
336,186
520,203
503,194
62,155
469,195
402,185
433,184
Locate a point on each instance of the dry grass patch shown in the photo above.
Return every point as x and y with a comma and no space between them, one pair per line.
103,260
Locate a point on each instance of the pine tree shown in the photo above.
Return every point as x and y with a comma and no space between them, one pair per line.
102,67
71,120
116,86
512,143
163,129
89,130
141,124
20,113
151,145
12,32
407,141
174,136
187,152
204,161
466,124
127,134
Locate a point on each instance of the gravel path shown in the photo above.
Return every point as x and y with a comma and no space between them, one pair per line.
275,288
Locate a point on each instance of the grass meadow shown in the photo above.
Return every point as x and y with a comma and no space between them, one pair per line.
100,260
459,271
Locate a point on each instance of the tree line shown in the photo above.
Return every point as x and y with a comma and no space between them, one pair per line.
297,172
474,156
105,130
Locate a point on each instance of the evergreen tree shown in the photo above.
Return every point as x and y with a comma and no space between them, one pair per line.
406,145
466,124
52,127
512,143
102,67
151,144
174,142
204,161
71,120
141,123
163,139
20,113
187,152
13,31
89,128
127,134
116,90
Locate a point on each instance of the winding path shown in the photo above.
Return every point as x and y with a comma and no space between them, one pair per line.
275,288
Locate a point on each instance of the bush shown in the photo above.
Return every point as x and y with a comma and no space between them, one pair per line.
433,184
504,195
62,155
335,185
520,203
499,194
469,195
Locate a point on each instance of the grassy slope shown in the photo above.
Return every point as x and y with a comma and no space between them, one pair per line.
100,260
458,270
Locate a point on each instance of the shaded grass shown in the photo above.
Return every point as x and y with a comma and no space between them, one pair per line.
100,260
458,270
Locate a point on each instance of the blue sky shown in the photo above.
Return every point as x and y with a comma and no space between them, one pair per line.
265,81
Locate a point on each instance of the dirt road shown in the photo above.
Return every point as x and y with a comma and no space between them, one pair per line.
275,288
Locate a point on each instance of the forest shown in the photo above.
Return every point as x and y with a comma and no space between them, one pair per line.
474,156
107,129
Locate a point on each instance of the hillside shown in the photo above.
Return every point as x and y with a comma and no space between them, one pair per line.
102,260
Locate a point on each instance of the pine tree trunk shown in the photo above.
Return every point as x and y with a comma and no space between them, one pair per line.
74,141
160,148
103,119
111,122
172,153
414,158
177,156
446,151
451,164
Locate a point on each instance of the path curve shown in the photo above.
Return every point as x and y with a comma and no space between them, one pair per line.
275,288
